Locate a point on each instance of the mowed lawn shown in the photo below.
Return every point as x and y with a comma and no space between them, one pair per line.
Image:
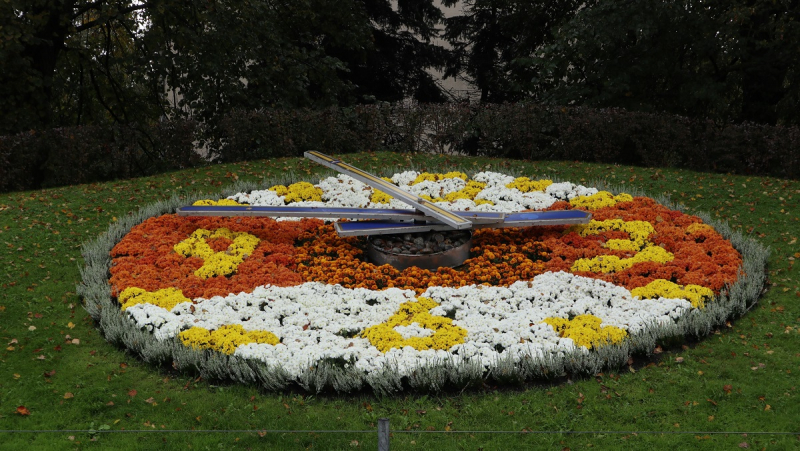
62,386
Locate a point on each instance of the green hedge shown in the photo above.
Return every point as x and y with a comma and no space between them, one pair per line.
520,131
74,155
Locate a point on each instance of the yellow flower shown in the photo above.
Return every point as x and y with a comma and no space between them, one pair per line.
527,185
599,200
379,197
217,263
586,330
468,192
445,336
661,288
166,298
225,339
228,202
302,191
639,232
434,177
280,190
612,263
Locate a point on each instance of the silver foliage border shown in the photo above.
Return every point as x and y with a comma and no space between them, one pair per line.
95,291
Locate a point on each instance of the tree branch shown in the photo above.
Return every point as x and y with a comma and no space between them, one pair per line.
97,22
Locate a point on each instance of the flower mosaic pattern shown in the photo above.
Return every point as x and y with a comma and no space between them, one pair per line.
292,293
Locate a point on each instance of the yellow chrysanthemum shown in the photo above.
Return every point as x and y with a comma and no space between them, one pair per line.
217,263
639,232
166,298
434,177
599,200
612,263
225,339
586,330
280,190
659,288
379,197
527,185
303,191
223,202
445,336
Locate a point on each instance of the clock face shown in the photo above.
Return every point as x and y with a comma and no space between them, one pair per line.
293,294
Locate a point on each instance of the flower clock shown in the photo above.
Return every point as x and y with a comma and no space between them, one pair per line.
288,301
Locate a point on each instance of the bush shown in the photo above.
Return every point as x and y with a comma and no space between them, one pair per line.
74,155
520,131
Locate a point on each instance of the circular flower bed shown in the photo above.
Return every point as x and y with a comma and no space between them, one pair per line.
289,301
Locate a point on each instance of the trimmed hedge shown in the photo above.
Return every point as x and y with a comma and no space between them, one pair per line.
74,155
519,131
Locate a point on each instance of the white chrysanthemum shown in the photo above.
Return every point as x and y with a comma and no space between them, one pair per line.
264,198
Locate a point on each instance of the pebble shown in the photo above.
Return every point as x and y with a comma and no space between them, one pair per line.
425,243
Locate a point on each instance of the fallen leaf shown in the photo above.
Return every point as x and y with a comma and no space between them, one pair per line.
744,445
68,395
71,325
32,328
149,400
727,389
22,410
76,341
132,393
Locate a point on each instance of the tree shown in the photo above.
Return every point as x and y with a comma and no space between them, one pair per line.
239,54
492,36
394,64
725,60
35,34
71,62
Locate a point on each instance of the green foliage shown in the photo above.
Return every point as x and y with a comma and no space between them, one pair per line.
521,131
394,65
524,131
122,61
730,61
492,35
224,55
74,155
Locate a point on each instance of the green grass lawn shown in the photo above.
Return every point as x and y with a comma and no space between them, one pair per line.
58,374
